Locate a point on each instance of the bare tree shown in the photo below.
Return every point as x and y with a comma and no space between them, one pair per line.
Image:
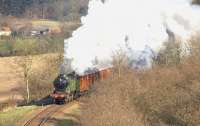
25,62
120,61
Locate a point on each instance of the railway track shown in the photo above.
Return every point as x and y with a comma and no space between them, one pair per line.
43,116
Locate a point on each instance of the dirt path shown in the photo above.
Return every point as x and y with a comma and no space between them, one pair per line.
9,79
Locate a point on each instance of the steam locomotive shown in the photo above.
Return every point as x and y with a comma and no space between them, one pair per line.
70,86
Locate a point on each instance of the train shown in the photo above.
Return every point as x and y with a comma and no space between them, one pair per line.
68,87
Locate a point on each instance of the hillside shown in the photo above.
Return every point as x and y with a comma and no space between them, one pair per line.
46,9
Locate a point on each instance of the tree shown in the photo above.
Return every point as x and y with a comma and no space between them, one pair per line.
170,54
120,61
46,68
25,62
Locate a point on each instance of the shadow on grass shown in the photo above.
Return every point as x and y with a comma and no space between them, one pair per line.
68,120
42,102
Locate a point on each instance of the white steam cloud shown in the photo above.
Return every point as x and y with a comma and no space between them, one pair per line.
140,23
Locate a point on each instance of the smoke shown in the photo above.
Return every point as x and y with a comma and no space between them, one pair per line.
136,26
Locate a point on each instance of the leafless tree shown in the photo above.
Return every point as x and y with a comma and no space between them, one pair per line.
120,61
25,62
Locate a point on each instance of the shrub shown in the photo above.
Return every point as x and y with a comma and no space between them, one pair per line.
111,103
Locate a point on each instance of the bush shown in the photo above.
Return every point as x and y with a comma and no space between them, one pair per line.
168,95
111,103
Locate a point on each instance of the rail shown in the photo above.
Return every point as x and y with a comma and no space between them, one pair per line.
43,116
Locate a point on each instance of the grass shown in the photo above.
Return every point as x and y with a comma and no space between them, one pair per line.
46,23
13,115
4,46
65,122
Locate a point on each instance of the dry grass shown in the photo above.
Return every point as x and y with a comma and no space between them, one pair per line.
169,95
9,79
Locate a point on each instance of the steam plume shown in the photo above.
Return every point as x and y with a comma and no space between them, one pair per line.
112,24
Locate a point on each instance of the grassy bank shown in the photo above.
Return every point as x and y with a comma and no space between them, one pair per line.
11,116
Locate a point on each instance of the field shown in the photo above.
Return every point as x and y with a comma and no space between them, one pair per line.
46,22
9,79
